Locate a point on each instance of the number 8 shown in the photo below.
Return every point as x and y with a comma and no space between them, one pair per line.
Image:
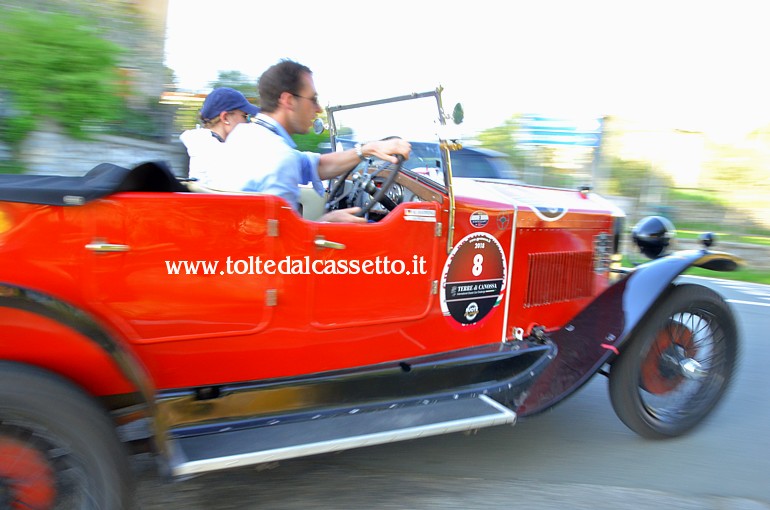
478,259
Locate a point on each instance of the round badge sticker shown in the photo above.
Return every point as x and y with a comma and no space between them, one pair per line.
479,219
473,279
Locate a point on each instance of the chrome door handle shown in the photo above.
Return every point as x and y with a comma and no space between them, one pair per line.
102,247
320,242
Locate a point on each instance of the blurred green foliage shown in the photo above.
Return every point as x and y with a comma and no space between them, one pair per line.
11,167
743,275
56,66
311,142
502,139
738,165
705,197
238,81
631,178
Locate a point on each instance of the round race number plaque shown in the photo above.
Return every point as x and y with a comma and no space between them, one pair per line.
473,279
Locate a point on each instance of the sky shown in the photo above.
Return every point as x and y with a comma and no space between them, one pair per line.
697,65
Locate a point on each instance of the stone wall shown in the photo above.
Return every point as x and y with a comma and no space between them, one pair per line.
51,152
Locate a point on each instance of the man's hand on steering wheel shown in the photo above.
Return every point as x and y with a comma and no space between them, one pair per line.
387,149
393,150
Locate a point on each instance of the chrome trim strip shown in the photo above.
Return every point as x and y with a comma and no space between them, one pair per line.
510,271
321,242
102,247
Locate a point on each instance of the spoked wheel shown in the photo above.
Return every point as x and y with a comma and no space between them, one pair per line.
58,450
674,371
29,479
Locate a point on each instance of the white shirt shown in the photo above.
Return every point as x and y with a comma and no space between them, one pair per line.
261,156
205,151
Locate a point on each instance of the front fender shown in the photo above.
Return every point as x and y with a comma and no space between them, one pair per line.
41,330
648,282
597,334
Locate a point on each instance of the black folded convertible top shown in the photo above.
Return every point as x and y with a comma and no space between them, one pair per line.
101,181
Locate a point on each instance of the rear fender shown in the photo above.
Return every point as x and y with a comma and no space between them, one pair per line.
596,335
43,331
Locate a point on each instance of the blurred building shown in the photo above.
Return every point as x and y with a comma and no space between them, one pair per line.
151,76
139,27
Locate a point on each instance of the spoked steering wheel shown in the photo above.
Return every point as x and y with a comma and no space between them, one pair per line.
380,196
364,181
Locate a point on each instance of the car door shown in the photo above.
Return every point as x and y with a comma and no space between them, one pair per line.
375,273
176,266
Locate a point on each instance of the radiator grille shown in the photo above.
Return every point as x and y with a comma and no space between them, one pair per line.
559,276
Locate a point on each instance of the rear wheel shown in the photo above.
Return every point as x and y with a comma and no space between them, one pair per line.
58,449
674,371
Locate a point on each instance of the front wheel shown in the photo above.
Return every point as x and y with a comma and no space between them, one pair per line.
58,450
675,369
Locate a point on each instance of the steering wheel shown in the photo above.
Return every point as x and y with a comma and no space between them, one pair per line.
381,194
363,180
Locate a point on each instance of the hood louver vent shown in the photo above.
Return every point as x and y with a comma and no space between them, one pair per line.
559,276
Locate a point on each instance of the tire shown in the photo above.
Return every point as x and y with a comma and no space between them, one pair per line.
651,389
58,449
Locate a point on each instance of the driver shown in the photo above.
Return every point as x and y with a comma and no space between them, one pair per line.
261,156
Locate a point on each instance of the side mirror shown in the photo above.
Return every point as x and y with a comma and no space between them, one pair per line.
318,126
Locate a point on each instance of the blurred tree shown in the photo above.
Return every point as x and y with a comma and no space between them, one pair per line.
56,66
738,166
740,172
503,139
238,81
135,26
626,178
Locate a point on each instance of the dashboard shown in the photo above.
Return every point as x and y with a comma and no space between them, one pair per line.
359,188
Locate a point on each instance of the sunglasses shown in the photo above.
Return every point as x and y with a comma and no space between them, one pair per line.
246,116
314,99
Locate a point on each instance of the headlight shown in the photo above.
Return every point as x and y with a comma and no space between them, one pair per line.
653,235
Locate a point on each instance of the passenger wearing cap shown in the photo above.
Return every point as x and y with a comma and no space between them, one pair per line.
223,109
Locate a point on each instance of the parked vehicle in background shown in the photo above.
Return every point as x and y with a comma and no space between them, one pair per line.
481,163
471,162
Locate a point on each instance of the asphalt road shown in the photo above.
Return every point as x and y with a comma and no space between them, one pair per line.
579,455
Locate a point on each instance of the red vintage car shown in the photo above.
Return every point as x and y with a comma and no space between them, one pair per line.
140,312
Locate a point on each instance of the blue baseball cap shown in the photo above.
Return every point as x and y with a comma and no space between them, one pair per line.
225,99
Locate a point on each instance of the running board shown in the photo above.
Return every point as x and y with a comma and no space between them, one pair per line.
229,449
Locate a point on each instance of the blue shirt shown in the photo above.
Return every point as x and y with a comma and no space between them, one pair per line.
262,157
